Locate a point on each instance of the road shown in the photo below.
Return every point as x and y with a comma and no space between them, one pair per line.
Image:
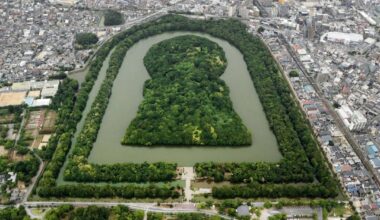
124,26
34,179
263,11
31,214
371,121
42,163
147,207
19,130
338,121
41,167
189,173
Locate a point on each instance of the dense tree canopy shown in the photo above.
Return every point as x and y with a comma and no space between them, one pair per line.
302,158
293,73
93,213
278,217
78,169
185,102
112,17
70,107
14,214
119,212
26,169
86,39
127,191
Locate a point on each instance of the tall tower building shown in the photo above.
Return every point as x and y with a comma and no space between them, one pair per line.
310,28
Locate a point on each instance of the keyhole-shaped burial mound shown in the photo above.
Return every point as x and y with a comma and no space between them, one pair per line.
185,101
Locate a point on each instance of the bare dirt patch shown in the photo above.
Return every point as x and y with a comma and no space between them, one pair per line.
12,98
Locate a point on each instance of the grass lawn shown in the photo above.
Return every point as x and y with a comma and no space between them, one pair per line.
39,211
340,211
208,184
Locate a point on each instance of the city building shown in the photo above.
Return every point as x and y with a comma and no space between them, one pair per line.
340,37
354,120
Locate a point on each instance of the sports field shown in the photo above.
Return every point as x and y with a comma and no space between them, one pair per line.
12,98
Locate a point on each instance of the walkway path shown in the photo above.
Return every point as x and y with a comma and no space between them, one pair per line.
20,129
33,216
188,175
146,215
30,188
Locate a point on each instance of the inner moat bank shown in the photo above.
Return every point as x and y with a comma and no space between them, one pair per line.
127,95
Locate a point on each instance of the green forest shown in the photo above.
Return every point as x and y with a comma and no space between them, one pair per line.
85,40
185,102
112,17
303,161
11,213
116,213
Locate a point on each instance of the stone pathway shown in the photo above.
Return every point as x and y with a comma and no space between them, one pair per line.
188,175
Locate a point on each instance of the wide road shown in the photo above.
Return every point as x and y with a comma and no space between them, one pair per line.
147,207
339,123
177,207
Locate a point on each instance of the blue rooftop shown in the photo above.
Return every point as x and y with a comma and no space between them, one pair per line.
29,101
308,88
372,149
352,188
338,168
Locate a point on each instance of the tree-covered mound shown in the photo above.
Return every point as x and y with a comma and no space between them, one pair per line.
185,101
112,17
85,40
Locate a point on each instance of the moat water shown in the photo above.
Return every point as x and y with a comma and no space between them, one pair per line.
127,95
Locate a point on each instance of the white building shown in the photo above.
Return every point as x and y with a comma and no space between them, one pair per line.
231,10
355,120
12,176
340,37
358,121
50,88
367,18
255,11
21,86
288,24
63,2
41,102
